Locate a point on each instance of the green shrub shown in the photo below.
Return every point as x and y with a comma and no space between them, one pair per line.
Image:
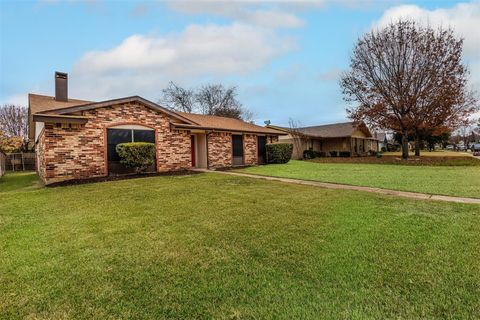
279,152
309,154
138,155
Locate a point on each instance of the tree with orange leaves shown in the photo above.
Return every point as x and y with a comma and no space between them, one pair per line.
408,78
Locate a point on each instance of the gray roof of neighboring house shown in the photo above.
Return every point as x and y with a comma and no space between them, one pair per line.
334,130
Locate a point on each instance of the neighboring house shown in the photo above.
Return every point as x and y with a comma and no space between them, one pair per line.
76,139
381,137
338,139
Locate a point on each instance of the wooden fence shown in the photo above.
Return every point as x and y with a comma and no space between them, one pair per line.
20,161
3,161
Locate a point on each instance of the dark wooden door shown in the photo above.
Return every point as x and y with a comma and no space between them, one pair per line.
262,149
237,145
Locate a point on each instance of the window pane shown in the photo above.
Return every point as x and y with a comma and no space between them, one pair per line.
114,137
144,136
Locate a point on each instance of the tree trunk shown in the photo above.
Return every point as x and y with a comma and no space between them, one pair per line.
417,145
405,145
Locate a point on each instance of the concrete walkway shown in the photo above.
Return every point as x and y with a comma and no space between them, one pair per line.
405,194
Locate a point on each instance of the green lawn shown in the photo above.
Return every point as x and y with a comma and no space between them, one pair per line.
435,153
444,180
216,246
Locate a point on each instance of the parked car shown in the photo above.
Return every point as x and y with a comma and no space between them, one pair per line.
476,147
450,147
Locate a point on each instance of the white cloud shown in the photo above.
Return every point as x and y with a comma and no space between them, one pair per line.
143,64
330,75
464,18
267,14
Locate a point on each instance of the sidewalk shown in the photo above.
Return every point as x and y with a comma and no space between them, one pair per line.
405,194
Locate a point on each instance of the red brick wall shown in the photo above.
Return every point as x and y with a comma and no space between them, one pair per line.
219,150
250,149
78,151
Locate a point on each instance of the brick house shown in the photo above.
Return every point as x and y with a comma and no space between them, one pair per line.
76,139
336,139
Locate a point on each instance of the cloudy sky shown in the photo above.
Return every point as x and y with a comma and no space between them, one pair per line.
285,57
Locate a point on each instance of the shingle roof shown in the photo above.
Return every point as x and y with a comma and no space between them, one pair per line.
228,124
107,103
334,130
39,103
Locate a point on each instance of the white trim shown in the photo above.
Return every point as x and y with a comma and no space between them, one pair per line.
131,127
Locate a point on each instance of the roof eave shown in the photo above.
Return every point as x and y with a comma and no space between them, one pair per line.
59,118
107,103
186,126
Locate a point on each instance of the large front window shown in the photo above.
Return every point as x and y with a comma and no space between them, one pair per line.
116,136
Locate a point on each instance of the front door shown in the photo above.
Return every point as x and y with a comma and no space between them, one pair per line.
237,145
117,136
262,149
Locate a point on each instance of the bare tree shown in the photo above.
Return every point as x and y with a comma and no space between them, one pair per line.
298,137
212,99
177,98
406,78
14,120
215,99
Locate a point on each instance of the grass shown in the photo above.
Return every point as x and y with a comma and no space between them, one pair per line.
19,181
412,161
215,246
444,180
436,153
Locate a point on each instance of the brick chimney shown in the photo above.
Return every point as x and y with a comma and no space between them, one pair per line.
61,86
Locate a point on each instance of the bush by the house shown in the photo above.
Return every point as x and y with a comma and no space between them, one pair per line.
383,149
138,155
279,152
309,154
